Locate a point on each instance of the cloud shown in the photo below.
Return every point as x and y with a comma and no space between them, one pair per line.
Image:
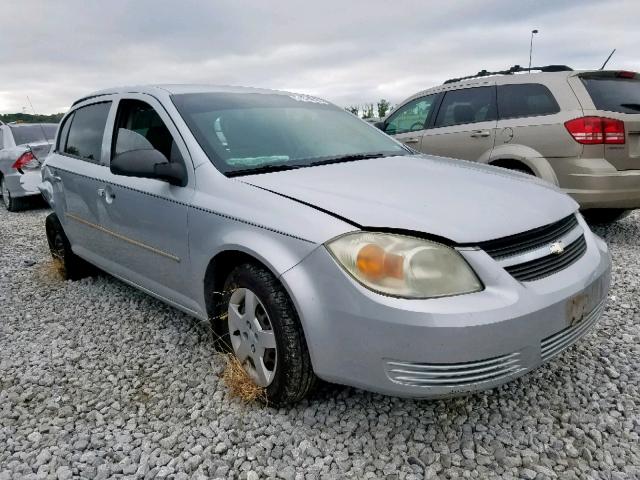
349,52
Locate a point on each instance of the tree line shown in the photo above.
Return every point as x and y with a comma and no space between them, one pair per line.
369,110
28,118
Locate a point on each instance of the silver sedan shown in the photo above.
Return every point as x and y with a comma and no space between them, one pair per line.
319,247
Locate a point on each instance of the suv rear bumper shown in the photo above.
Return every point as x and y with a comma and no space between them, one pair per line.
619,189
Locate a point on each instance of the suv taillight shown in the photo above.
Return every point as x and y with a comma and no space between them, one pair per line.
596,130
25,160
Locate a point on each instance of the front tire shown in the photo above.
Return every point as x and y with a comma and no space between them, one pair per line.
72,267
263,330
603,216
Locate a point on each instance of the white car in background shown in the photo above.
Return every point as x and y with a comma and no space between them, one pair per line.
23,148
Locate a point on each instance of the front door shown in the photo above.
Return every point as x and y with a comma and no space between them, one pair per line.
147,218
407,124
465,126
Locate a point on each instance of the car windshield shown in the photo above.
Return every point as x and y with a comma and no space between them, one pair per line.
33,133
256,132
614,94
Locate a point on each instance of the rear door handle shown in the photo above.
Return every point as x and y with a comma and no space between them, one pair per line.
101,193
480,133
412,140
55,178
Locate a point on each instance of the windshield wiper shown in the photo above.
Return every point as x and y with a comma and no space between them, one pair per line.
347,158
632,106
263,169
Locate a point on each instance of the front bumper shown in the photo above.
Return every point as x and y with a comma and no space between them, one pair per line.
23,184
446,346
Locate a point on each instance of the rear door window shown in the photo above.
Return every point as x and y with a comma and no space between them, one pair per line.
411,117
525,100
613,93
468,105
86,132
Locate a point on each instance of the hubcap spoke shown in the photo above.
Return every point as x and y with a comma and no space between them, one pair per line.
266,339
242,350
250,302
263,376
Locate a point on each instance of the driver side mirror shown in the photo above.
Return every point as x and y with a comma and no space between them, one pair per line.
148,163
379,125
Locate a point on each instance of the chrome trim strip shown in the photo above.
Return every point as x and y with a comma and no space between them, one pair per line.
543,251
122,237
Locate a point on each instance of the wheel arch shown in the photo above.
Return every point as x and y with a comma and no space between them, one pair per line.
509,156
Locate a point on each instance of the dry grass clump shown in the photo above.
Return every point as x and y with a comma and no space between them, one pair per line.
239,383
51,270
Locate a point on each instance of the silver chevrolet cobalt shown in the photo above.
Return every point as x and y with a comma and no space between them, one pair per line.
319,247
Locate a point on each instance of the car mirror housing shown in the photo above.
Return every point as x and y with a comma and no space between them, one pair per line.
379,125
148,163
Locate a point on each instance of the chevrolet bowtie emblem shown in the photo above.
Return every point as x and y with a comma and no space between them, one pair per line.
556,248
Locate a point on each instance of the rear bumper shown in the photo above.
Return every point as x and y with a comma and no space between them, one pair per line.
448,346
595,183
23,184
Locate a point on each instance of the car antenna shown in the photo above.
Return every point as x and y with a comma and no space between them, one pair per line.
608,58
44,134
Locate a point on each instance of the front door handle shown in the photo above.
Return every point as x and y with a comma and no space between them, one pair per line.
480,134
101,193
412,140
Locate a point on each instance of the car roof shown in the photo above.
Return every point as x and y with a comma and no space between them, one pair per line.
179,89
537,77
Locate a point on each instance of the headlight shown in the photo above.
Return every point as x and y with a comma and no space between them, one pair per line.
404,266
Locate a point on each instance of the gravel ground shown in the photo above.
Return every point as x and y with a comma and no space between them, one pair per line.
98,380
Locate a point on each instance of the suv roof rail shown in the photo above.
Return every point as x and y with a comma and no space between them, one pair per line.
512,70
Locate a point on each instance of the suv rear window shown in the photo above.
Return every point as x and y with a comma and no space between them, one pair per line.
525,100
86,132
614,94
23,134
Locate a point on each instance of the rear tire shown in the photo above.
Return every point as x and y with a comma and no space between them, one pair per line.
292,376
603,216
10,203
72,266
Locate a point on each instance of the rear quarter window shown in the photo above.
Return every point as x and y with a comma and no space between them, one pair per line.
525,100
614,94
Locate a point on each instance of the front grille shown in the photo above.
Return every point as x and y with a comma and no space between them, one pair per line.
453,374
530,240
556,343
549,264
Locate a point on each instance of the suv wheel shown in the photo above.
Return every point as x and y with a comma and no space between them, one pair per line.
72,266
599,216
10,203
264,332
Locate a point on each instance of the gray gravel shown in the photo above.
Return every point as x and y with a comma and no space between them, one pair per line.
98,380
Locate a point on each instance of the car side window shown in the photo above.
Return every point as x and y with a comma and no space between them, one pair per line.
410,117
139,127
61,143
86,131
468,105
525,100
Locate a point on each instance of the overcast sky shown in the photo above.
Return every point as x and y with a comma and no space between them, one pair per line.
349,52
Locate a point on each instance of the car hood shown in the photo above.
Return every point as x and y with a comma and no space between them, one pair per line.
462,201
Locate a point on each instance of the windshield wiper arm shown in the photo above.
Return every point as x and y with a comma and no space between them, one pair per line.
632,106
347,158
263,169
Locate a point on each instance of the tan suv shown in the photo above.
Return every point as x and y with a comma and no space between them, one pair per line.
579,130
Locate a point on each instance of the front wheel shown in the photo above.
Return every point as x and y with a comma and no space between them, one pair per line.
264,333
603,216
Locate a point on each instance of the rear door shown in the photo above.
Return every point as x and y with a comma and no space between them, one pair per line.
408,123
465,125
616,95
77,169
